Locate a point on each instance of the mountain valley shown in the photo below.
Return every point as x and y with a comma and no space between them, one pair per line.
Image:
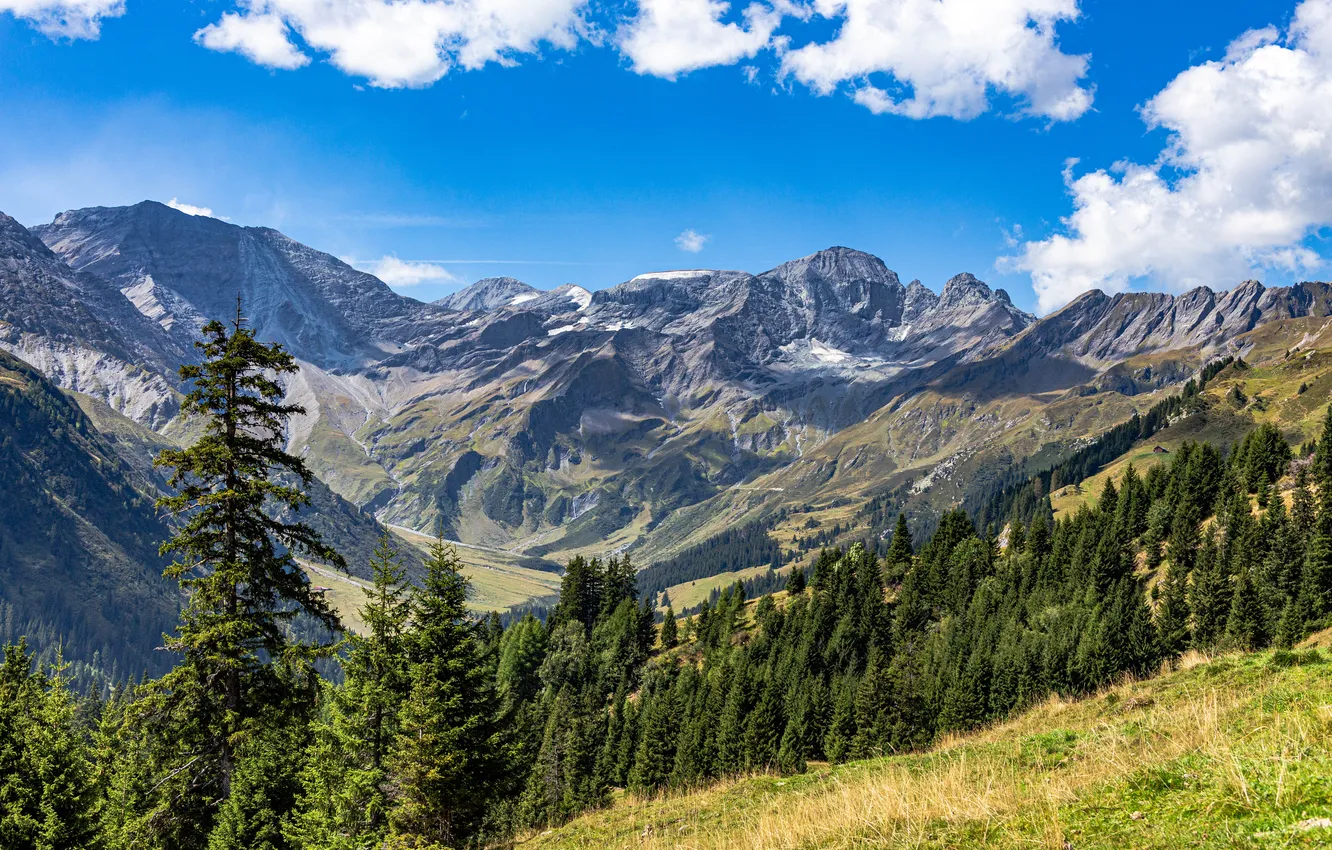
647,417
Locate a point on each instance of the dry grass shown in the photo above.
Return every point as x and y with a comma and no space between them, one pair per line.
1234,741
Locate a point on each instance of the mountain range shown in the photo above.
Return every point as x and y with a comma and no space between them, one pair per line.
647,416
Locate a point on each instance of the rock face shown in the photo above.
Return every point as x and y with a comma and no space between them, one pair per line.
81,332
551,421
182,270
1100,330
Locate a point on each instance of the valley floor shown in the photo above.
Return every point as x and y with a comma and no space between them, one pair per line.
1227,752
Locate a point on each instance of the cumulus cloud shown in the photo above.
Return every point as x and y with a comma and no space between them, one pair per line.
915,58
190,209
945,57
1244,178
396,43
400,273
263,39
65,18
672,37
692,241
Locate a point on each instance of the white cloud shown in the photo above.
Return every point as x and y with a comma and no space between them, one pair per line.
1244,179
692,241
189,209
65,18
671,37
400,273
264,39
397,43
946,56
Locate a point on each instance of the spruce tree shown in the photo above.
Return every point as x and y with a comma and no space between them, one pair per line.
48,799
655,757
241,668
1209,599
669,629
898,559
1244,629
450,762
345,796
1172,617
795,585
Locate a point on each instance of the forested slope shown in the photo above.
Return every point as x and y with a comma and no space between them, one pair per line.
79,568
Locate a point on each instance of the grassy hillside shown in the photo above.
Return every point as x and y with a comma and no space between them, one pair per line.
1230,752
1285,379
499,579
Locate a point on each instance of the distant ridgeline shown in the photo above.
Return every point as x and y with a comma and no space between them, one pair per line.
1022,495
1021,492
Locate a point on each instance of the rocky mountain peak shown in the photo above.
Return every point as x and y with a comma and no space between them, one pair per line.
17,241
919,300
490,293
180,270
843,265
964,289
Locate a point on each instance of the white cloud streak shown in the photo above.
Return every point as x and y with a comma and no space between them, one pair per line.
404,273
70,19
1244,179
691,241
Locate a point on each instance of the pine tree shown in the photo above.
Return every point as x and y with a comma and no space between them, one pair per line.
1209,599
241,669
795,585
264,789
345,796
898,559
1244,628
840,741
669,629
796,737
657,734
522,649
1315,596
450,760
1172,618
48,799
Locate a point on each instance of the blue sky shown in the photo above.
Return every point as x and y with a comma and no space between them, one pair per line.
585,154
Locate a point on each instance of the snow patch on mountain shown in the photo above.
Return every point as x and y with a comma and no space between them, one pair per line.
827,354
579,296
679,274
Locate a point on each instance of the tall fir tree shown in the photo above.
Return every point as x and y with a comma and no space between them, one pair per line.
242,670
345,793
670,635
451,761
898,560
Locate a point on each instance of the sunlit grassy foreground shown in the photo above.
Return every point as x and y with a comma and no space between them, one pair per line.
1231,752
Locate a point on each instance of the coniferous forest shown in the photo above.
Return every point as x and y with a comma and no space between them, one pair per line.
432,728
